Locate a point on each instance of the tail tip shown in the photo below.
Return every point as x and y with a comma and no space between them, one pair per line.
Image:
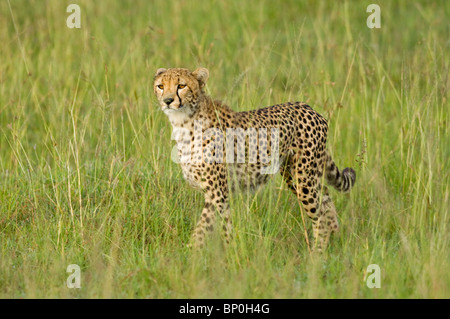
350,172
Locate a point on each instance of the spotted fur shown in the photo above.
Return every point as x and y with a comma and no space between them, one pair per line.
301,146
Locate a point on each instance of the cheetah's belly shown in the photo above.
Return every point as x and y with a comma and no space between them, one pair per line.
248,176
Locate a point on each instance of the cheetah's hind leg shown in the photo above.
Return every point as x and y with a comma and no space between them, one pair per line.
327,221
314,199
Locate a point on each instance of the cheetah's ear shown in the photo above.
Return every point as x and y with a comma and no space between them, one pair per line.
159,71
201,74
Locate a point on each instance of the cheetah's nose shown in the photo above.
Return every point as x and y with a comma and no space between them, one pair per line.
168,100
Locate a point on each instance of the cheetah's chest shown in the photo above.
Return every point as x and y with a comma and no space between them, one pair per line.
192,175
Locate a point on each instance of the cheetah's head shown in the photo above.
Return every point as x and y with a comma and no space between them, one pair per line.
179,89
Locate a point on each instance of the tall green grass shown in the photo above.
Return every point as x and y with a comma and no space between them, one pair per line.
87,179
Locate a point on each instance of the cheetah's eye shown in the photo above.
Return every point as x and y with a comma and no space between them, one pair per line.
181,86
160,86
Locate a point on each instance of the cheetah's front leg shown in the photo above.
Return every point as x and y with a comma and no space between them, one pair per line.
216,199
205,225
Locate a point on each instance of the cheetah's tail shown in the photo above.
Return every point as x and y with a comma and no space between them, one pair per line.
342,181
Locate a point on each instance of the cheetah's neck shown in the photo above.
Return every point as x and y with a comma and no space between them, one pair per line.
179,117
206,111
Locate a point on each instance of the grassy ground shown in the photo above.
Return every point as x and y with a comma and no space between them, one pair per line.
86,176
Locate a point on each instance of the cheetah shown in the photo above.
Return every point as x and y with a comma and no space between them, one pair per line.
220,149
